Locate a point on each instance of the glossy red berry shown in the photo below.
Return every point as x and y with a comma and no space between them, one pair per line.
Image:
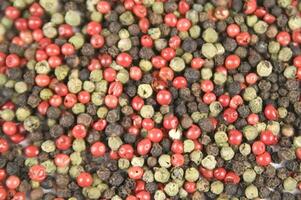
9,128
233,30
37,173
144,146
155,135
230,115
135,172
234,137
164,97
258,148
98,149
232,62
103,7
194,132
126,151
264,159
84,179
31,151
268,138
12,182
79,131
219,173
270,112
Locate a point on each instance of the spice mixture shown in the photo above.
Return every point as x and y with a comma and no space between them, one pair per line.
150,99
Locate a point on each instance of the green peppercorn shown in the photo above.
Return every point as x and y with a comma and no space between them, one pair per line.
249,175
285,54
264,68
206,73
78,145
209,162
126,18
21,87
159,195
260,27
139,161
145,65
250,132
73,17
123,76
274,47
123,163
74,85
195,31
49,30
42,67
22,113
31,123
78,108
76,158
203,185
294,22
177,64
245,149
171,189
249,94
148,176
255,105
220,138
161,175
251,192
227,153
50,6
217,187
165,161
210,35
77,40
75,170
188,146
209,50
290,72
49,166
48,146
147,111
196,156
192,174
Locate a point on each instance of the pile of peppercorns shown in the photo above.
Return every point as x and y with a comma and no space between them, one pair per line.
150,99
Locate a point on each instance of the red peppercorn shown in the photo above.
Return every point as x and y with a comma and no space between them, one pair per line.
135,73
19,196
170,121
219,173
251,78
36,10
100,125
194,132
70,100
209,97
12,60
144,25
224,99
143,195
155,135
298,153
260,12
183,7
31,151
126,151
207,85
258,147
115,88
111,101
21,24
148,123
12,12
233,30
109,74
97,41
135,172
144,146
12,182
232,177
268,138
268,18
2,174
65,30
230,115
62,160
232,62
250,7
296,36
124,59
170,19
179,82
236,101
234,137
67,49
34,22
84,179
190,187
98,149
131,197
55,100
3,194
270,112
183,24
197,63
243,38
37,173
168,53
253,119
206,173
146,41
63,142
139,10
9,128
84,97
177,147
137,103
283,38
94,28
177,160
297,61
158,62
164,97
79,131
264,159
103,7
174,42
